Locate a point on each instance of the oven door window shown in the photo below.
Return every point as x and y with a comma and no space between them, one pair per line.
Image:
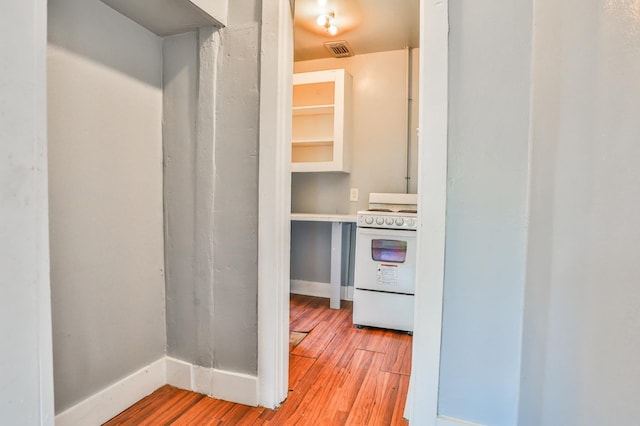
388,250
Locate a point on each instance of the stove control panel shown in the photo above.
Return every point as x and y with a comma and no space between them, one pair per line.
387,220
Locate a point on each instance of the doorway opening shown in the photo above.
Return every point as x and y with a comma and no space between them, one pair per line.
354,132
275,203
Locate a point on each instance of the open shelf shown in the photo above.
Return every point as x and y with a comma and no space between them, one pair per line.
321,132
313,110
312,142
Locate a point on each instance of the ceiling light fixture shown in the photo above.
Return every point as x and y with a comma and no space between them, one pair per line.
328,23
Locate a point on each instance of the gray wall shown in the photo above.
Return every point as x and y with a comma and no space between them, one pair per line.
105,163
490,45
580,363
379,153
211,189
26,394
187,336
235,232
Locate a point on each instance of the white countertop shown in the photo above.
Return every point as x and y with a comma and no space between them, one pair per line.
323,217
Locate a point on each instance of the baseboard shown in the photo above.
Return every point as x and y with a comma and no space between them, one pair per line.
318,289
226,385
114,399
109,402
450,421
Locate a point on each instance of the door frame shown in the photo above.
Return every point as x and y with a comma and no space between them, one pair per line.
275,200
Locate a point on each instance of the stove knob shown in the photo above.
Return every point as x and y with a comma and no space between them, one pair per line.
380,221
389,221
411,222
399,221
368,220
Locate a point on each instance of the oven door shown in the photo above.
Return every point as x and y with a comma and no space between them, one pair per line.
385,260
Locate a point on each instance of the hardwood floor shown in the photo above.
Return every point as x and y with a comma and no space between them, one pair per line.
338,375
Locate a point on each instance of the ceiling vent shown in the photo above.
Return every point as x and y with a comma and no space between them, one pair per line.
339,49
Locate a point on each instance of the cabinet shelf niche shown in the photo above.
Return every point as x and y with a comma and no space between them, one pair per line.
321,132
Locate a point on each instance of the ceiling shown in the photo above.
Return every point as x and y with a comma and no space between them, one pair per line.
367,25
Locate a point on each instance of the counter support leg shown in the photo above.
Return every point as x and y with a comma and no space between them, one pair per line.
336,264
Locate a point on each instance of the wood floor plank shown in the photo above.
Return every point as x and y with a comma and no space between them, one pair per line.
376,340
207,412
313,401
355,374
398,411
368,393
309,386
310,315
298,368
253,417
297,305
343,398
398,355
385,402
316,341
168,402
235,415
182,401
344,344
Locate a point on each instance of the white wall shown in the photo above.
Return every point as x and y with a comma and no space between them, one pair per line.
26,394
489,81
379,156
580,363
105,163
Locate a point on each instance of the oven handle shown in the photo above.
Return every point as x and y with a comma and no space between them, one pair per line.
387,232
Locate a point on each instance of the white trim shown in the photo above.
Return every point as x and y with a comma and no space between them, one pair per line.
274,200
111,401
226,385
319,289
235,387
422,402
178,373
41,202
336,264
347,293
114,399
450,421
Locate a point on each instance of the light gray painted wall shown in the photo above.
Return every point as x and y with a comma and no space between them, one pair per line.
379,150
26,370
211,192
580,363
235,220
105,164
489,72
188,325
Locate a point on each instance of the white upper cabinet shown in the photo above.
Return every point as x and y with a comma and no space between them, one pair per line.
321,132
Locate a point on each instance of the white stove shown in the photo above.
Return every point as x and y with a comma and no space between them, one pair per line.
385,259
